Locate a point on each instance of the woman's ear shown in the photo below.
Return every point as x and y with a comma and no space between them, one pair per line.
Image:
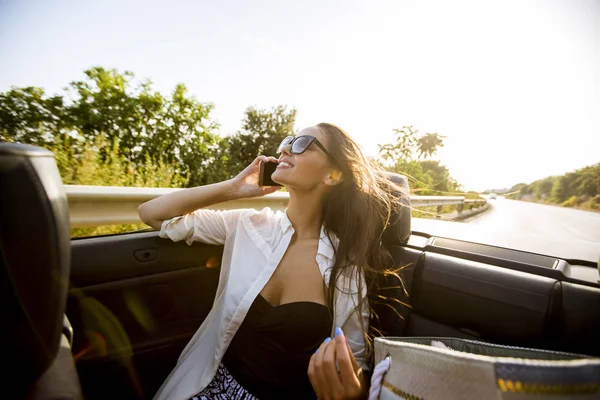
334,178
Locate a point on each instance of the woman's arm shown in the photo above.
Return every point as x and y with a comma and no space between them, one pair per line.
185,201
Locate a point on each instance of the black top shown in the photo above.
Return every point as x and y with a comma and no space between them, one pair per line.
270,352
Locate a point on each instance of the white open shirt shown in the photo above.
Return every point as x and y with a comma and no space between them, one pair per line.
254,244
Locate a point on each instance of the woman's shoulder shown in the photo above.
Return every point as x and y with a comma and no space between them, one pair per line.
265,217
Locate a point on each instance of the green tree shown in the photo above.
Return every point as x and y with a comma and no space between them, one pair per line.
543,188
411,155
588,182
403,149
440,179
177,129
428,144
580,188
519,187
411,145
217,167
27,115
558,193
106,103
186,135
262,132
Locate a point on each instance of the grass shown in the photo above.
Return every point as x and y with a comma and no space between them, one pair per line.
105,230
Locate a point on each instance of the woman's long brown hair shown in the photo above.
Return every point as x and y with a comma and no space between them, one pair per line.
357,211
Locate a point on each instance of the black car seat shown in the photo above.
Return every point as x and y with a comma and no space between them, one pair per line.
35,252
389,305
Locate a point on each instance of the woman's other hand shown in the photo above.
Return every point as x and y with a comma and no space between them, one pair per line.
245,184
323,373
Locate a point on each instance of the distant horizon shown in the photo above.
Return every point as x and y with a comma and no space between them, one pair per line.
514,87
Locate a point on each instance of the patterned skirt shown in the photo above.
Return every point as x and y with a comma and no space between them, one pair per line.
223,387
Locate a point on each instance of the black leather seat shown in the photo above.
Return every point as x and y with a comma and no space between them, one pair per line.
34,276
398,231
388,304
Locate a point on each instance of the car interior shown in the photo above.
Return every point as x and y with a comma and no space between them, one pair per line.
107,317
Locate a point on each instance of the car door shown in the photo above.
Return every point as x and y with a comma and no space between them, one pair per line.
135,301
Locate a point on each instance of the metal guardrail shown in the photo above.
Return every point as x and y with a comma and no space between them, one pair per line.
430,201
111,205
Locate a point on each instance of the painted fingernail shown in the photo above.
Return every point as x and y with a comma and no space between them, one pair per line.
338,331
327,340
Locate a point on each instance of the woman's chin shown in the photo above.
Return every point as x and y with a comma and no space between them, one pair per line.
277,178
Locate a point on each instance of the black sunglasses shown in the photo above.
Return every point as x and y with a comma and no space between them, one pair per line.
299,144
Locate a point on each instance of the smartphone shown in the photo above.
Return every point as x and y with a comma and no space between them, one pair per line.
265,170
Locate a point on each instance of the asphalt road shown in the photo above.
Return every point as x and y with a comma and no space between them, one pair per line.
540,219
552,230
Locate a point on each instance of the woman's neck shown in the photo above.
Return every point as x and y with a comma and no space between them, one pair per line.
306,214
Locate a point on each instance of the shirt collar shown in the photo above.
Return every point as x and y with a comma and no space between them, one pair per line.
285,222
325,245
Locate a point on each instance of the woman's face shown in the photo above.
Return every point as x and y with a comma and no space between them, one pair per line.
304,171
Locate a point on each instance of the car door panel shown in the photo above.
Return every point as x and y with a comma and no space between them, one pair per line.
132,318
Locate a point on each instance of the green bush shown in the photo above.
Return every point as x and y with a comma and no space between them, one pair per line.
102,164
584,182
595,203
573,201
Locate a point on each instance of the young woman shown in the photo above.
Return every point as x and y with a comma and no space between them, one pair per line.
291,315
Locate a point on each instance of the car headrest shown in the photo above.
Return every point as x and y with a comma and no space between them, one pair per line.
34,260
398,230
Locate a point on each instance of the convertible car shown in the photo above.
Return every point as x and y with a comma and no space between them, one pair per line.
107,317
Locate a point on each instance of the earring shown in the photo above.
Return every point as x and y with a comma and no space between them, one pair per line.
335,175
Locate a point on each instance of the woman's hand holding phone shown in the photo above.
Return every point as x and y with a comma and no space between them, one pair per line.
246,183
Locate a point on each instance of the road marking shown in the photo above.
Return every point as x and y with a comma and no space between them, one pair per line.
577,232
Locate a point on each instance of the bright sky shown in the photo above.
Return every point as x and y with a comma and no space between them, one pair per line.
513,85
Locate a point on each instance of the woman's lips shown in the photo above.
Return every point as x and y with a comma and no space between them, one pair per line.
284,164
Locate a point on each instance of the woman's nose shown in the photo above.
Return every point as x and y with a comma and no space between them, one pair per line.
285,150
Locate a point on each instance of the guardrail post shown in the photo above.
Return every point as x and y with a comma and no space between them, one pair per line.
439,212
460,208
